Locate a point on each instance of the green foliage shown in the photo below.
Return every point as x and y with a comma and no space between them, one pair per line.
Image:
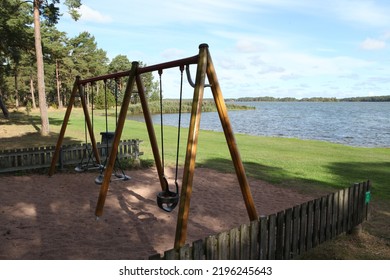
119,63
73,5
17,49
87,59
385,98
50,11
102,100
15,32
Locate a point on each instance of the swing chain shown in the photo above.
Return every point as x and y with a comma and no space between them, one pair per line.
179,126
168,200
162,125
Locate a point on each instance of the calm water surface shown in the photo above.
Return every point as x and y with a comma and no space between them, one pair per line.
365,124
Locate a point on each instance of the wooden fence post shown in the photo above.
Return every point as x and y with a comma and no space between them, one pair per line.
323,219
335,214
316,222
303,228
310,225
271,236
211,248
358,206
254,242
263,238
244,242
367,198
223,246
288,233
234,244
198,252
280,233
329,215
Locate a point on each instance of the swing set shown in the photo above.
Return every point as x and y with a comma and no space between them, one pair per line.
167,200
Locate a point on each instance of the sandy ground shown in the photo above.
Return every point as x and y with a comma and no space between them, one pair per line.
45,217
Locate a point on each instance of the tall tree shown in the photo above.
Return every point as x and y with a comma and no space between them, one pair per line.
150,85
50,11
56,50
15,35
122,63
88,59
40,70
118,64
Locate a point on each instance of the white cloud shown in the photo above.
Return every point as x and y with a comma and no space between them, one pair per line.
373,44
89,14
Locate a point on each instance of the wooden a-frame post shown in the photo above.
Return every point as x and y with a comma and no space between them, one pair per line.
115,142
205,66
77,88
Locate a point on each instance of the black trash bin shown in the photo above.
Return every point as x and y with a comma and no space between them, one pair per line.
107,139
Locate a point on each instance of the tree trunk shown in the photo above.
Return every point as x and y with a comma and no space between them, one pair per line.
40,72
3,107
16,88
58,84
32,93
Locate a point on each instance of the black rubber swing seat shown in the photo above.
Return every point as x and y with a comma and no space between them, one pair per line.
119,177
79,169
82,168
167,200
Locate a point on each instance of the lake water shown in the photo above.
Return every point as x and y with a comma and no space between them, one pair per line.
365,124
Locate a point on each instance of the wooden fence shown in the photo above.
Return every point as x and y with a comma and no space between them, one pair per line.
284,235
33,158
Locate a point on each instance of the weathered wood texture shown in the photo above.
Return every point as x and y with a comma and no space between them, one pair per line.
34,158
287,234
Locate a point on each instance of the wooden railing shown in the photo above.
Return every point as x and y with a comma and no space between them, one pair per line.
34,158
287,234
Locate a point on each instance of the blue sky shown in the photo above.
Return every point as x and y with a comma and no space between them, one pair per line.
279,48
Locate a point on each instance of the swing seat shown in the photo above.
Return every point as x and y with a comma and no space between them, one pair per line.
79,168
99,179
85,167
123,177
119,177
167,200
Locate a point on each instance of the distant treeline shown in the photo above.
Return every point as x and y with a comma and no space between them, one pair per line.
385,98
171,106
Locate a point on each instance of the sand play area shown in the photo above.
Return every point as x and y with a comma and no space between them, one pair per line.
44,217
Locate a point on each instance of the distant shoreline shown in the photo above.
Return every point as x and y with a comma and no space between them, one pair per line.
385,98
171,106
